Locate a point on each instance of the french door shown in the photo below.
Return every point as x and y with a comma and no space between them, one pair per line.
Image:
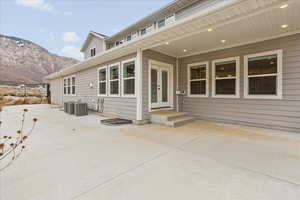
160,86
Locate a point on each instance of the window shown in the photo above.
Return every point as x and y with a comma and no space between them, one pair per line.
225,78
69,85
149,28
114,75
170,19
166,21
119,42
198,80
161,23
73,85
143,31
65,86
128,69
93,52
134,35
102,77
263,75
128,38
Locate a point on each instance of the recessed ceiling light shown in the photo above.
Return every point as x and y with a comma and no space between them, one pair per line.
184,50
284,26
223,41
167,43
210,30
284,5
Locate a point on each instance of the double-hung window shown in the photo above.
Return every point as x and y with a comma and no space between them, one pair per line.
102,78
65,86
225,78
93,52
128,85
263,75
114,82
198,79
73,85
70,85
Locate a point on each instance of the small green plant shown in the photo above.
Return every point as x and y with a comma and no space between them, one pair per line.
12,146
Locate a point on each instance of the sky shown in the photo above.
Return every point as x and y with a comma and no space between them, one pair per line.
61,26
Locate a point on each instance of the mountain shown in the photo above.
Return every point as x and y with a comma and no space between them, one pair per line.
22,61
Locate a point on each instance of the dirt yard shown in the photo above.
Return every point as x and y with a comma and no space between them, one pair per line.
12,95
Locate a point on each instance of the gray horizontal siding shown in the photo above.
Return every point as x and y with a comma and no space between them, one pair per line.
153,55
282,114
120,106
97,43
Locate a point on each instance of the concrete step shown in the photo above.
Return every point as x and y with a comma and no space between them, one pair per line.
180,121
165,115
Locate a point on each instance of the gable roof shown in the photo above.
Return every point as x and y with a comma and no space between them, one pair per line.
89,38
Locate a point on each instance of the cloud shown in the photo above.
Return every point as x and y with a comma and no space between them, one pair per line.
38,4
70,37
72,51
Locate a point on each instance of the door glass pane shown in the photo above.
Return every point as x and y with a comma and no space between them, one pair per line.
164,87
153,86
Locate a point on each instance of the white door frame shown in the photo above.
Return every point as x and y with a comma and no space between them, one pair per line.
171,83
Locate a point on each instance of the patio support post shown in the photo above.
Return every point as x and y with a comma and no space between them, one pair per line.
139,85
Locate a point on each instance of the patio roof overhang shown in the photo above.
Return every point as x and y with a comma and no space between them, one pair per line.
236,21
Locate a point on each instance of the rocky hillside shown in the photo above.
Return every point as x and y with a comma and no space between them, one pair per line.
22,61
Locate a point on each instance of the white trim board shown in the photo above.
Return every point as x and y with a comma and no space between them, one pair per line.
237,78
279,54
171,87
135,78
119,79
106,81
206,79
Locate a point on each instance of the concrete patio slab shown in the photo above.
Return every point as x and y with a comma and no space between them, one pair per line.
72,157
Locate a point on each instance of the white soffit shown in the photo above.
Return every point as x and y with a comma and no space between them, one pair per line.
264,24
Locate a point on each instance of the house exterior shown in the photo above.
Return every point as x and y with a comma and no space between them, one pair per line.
235,61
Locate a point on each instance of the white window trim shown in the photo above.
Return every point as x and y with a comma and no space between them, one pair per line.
90,53
206,79
237,77
66,78
106,92
278,74
135,79
108,80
